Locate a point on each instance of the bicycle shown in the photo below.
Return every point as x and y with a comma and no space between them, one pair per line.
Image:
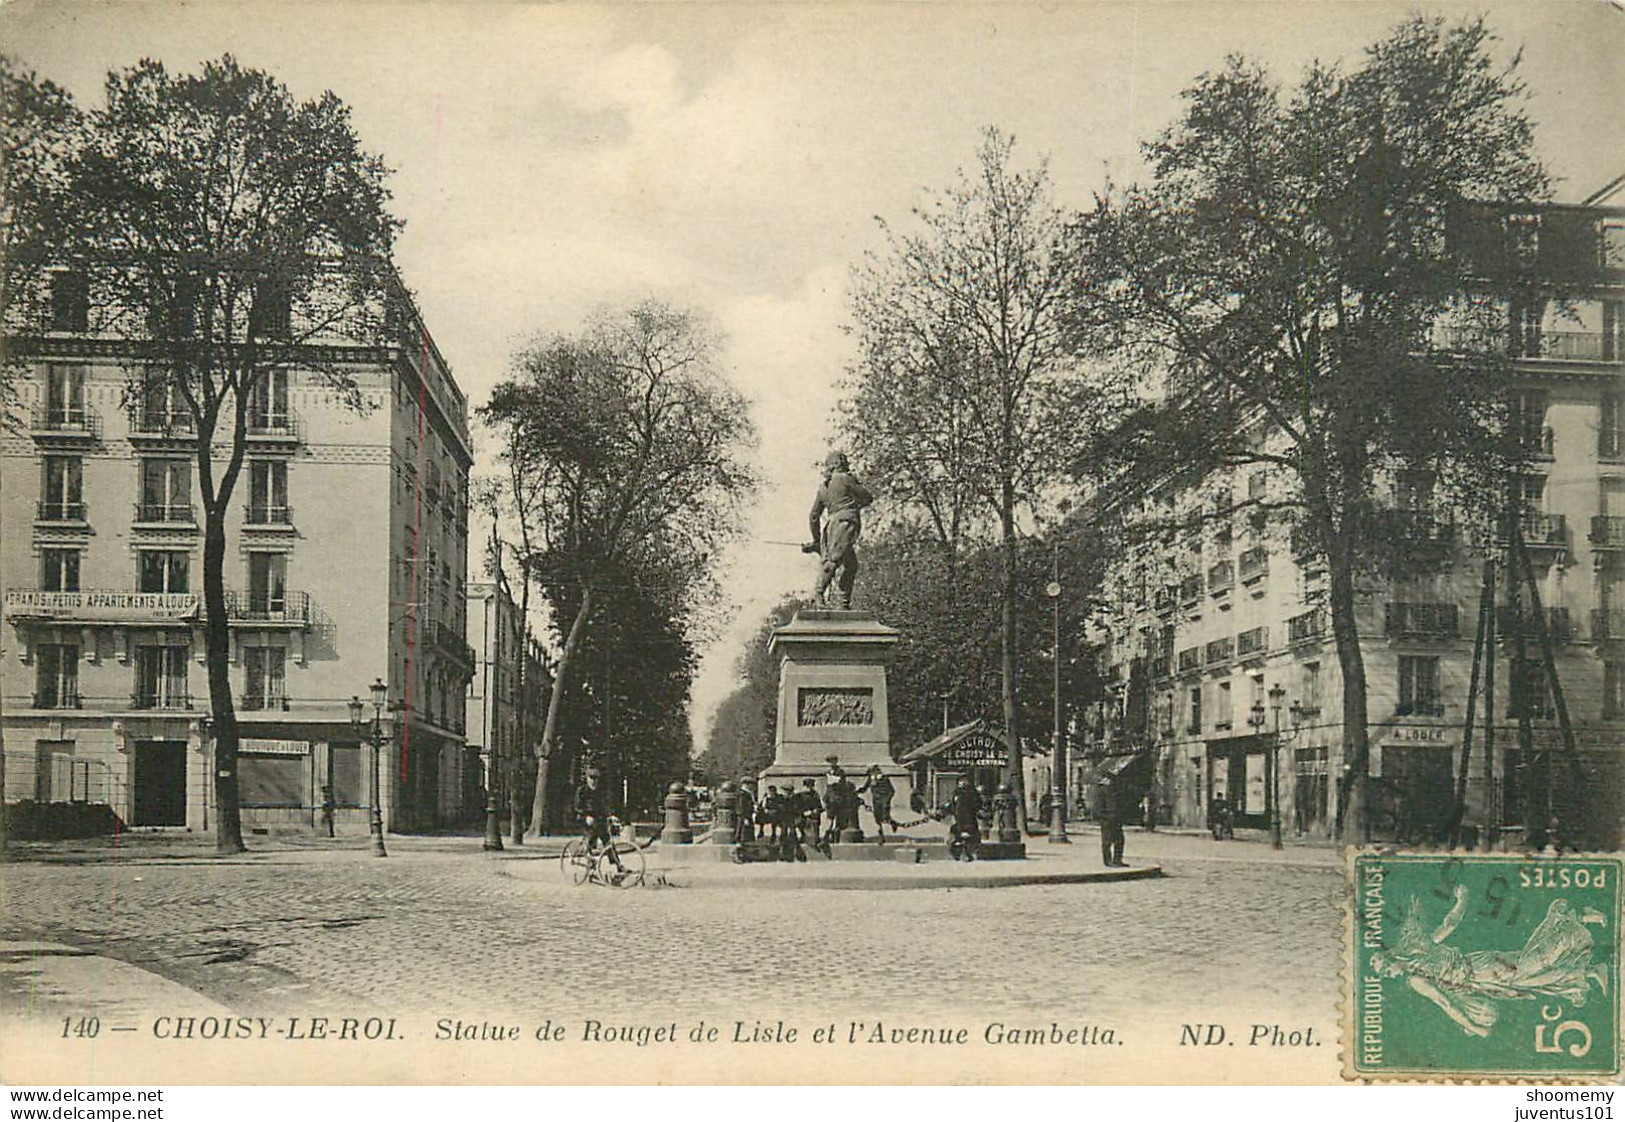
619,864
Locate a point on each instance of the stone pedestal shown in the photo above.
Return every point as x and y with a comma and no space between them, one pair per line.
832,702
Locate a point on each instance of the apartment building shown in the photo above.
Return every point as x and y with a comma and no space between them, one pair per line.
500,638
346,555
1223,679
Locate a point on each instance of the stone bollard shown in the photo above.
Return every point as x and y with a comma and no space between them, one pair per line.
723,805
676,831
1004,815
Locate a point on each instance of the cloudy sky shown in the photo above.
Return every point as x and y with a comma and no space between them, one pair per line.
554,158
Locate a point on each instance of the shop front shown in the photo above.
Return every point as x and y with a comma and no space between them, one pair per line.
1239,772
971,749
1413,791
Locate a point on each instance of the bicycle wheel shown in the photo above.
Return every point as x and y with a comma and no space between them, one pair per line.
630,870
575,861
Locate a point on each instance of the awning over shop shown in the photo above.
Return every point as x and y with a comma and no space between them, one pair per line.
1130,766
969,745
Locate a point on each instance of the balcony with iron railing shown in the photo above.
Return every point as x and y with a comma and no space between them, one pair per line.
184,514
271,698
1190,660
1219,651
1162,666
1221,578
161,424
1166,598
1425,706
1412,527
1607,624
261,608
1562,346
1255,564
1409,620
1253,643
1307,627
268,514
1190,589
1539,530
1510,625
58,696
53,510
1538,444
172,696
448,640
65,423
274,426
1608,531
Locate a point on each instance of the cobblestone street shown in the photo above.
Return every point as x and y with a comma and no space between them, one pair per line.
448,929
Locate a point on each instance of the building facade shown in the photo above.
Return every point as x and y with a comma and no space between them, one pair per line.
1222,679
503,721
346,554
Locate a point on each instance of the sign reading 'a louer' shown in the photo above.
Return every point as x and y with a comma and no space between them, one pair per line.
112,605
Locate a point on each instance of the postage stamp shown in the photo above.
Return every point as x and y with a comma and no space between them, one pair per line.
1468,966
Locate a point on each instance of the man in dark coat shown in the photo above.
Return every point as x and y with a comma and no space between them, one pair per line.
838,503
1111,824
965,809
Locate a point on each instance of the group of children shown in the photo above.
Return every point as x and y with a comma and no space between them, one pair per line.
793,818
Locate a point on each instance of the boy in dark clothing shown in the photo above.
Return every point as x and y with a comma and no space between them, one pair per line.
771,806
881,793
841,803
812,811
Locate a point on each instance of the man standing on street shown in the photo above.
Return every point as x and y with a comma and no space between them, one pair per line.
836,542
1111,824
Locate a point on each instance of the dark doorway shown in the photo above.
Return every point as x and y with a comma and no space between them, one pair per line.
159,797
1415,794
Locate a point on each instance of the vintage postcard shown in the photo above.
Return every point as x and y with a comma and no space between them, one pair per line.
812,543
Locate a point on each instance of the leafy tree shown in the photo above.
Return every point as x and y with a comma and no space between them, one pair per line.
966,399
41,130
233,234
633,446
743,730
1279,285
627,706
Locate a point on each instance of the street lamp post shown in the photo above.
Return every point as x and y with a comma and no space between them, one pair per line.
1276,694
1057,813
375,741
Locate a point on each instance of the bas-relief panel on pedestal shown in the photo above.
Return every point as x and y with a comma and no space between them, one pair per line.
824,706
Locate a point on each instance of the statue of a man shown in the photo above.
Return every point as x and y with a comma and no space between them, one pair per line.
836,542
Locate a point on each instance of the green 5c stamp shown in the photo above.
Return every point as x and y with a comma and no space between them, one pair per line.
1492,966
